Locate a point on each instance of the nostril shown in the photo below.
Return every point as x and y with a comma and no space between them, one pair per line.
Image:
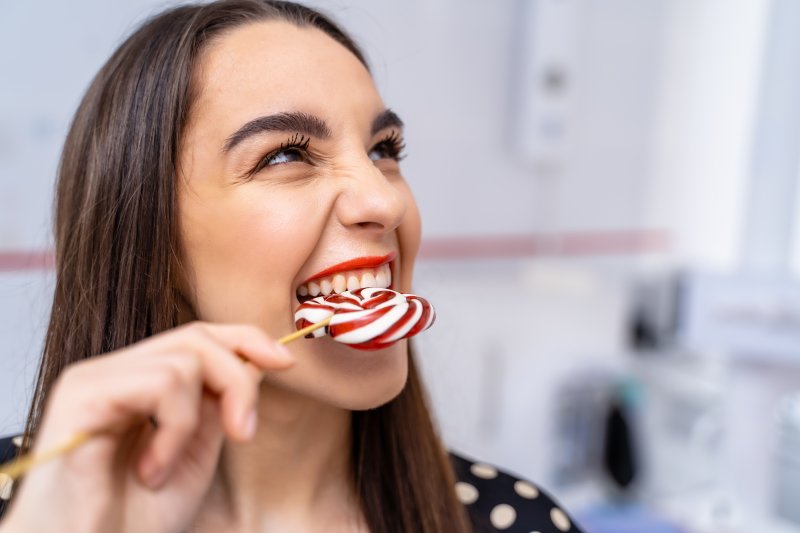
370,225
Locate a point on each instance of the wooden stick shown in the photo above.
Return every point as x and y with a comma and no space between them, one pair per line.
305,331
17,467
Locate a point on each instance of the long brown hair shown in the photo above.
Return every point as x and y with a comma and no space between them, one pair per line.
118,259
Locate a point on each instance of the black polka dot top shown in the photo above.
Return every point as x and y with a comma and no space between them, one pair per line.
495,500
498,501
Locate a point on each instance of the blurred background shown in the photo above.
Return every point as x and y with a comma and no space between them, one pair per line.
611,235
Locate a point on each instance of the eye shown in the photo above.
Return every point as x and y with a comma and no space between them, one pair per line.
390,147
292,151
285,155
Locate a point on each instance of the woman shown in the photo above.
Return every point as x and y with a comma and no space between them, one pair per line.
228,158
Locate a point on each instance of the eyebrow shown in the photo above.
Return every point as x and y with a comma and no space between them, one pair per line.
286,122
301,123
387,119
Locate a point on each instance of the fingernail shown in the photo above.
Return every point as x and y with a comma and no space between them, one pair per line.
250,424
156,478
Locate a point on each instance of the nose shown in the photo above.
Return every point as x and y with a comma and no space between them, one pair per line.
369,200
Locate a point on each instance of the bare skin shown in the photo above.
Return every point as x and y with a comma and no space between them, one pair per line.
249,240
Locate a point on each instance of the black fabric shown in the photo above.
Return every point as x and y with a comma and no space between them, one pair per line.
8,450
487,492
533,508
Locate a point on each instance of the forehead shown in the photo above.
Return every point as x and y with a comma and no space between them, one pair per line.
267,67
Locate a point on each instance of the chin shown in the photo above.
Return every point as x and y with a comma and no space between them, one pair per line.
347,378
376,378
374,395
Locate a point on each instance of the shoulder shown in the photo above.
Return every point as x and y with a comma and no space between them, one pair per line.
8,450
497,500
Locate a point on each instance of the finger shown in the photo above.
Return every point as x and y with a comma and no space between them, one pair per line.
177,413
254,344
202,453
223,373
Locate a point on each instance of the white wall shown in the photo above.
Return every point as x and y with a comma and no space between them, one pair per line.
703,129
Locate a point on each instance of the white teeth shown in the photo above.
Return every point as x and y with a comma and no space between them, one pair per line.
339,284
326,287
367,280
377,277
352,283
313,289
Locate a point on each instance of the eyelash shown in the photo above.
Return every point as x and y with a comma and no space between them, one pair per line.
395,147
298,142
392,143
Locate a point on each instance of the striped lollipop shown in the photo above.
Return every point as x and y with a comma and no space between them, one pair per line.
367,319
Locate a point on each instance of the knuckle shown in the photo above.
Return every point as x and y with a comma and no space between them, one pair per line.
196,329
70,389
199,328
167,378
176,373
73,373
187,368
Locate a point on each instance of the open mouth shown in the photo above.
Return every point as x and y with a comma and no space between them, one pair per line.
336,281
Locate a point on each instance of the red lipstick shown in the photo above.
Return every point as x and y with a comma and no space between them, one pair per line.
352,264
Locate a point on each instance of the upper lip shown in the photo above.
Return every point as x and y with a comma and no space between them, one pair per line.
372,261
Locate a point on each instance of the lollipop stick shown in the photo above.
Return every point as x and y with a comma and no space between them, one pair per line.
305,331
14,469
17,467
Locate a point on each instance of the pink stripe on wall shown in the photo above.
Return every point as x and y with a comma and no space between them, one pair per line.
22,260
590,243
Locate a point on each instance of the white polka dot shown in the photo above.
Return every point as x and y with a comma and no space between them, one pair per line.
502,516
17,441
526,490
560,519
483,471
6,484
466,493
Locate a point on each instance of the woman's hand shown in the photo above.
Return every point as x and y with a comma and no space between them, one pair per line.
140,476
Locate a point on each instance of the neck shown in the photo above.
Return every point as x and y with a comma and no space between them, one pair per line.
298,463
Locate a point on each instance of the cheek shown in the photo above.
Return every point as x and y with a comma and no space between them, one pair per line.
409,235
242,251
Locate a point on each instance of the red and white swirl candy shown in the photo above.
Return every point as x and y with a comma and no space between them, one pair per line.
367,319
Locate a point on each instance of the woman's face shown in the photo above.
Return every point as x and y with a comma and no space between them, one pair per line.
290,183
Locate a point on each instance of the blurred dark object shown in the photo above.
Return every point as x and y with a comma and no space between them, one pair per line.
654,315
619,456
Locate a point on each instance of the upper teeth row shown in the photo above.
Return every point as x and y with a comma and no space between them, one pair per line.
348,281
